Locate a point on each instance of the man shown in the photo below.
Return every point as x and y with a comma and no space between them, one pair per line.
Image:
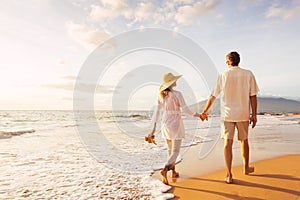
239,92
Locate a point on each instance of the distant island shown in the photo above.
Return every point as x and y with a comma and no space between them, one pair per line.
266,105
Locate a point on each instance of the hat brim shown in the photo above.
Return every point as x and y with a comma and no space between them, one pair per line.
168,84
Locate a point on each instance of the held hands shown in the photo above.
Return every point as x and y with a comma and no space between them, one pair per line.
204,116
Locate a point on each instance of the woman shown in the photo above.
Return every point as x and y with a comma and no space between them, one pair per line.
172,128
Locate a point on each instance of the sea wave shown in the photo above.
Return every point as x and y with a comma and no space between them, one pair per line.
119,117
70,125
9,134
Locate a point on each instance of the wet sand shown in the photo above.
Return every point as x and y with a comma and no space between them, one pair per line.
277,178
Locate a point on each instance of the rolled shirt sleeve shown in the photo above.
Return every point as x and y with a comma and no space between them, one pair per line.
218,87
253,86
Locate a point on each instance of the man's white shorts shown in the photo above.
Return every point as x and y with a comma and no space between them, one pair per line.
228,129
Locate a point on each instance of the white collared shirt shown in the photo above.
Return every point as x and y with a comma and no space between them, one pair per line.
237,85
172,127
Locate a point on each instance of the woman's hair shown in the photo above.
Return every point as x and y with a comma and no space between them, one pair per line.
234,58
164,93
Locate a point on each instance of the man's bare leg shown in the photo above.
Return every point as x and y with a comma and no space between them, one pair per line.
245,154
228,159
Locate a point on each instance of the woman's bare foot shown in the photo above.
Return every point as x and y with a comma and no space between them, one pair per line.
175,174
249,170
228,179
164,178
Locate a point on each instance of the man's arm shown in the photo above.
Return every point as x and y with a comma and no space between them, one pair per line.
253,102
209,103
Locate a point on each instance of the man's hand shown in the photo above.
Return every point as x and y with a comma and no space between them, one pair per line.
253,120
253,103
204,116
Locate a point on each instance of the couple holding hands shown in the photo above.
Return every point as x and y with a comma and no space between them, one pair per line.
239,90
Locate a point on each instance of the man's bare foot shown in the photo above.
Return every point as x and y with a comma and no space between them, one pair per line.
249,170
175,174
164,178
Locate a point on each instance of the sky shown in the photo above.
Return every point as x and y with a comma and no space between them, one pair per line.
44,44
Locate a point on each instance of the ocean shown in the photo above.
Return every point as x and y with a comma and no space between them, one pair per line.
103,154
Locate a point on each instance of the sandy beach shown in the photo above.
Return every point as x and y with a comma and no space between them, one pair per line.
277,178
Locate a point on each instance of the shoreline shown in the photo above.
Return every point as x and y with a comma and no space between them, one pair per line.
275,178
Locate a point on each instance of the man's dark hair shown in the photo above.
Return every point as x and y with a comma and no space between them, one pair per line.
234,58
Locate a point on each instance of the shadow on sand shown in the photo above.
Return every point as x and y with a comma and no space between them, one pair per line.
242,184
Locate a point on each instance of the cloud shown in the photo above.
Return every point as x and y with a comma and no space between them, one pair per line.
87,37
187,13
61,61
246,4
284,12
144,10
67,99
110,10
100,89
100,13
173,13
171,4
71,78
69,87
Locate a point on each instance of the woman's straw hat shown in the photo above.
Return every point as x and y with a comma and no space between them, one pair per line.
168,80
